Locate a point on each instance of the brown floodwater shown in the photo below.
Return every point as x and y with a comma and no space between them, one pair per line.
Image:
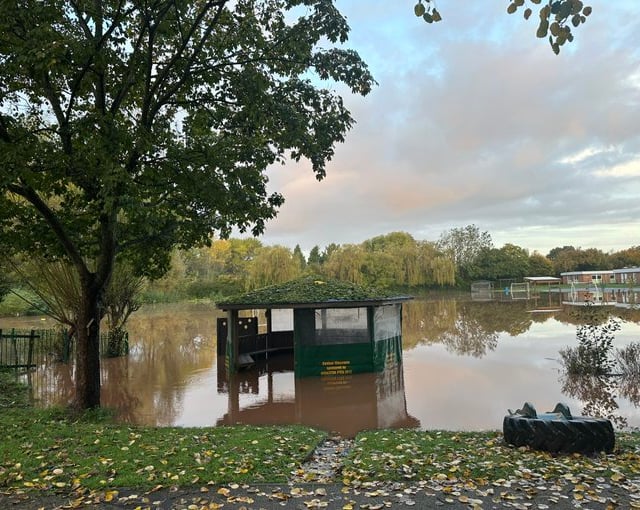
464,364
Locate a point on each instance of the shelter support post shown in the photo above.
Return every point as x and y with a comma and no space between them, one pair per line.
232,341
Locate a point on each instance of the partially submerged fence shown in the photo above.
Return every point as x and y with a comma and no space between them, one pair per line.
30,348
26,349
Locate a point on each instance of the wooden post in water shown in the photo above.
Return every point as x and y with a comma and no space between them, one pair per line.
231,360
267,342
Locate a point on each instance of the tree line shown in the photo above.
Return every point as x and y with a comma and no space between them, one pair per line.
231,266
460,256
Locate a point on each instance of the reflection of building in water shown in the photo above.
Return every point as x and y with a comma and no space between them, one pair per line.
342,403
594,296
627,298
482,291
545,302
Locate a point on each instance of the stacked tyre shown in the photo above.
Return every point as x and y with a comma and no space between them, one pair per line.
557,434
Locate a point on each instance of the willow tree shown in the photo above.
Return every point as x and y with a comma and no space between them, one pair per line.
129,127
272,265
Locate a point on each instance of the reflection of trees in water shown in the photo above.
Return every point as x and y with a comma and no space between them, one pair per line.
167,345
578,314
594,373
52,383
464,327
598,394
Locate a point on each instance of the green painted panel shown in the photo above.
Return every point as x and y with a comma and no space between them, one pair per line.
321,360
386,352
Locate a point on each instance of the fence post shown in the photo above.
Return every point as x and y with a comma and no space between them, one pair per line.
15,347
32,337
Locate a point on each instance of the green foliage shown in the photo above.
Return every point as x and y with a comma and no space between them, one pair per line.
128,129
625,258
20,301
539,265
568,258
426,10
5,284
556,17
508,262
463,245
314,261
298,256
308,289
272,265
138,165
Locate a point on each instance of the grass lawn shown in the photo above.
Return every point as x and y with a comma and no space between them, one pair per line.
52,450
479,458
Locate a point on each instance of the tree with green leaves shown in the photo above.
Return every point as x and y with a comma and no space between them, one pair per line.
272,265
569,258
629,257
129,128
556,18
299,257
314,261
345,262
508,262
539,265
5,282
463,245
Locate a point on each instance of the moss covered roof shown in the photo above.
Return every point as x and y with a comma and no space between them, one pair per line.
310,290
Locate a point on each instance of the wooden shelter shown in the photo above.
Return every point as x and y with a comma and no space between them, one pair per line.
333,327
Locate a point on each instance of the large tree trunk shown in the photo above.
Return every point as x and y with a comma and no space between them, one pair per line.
88,349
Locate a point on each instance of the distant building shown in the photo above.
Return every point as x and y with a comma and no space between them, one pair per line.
627,275
595,277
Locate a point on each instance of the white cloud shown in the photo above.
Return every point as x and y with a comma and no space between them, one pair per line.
477,121
627,169
584,154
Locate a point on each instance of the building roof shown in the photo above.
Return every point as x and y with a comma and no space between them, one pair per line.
311,292
571,273
542,279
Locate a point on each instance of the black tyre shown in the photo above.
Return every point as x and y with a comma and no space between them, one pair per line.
580,434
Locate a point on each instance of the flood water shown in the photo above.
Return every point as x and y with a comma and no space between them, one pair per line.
464,364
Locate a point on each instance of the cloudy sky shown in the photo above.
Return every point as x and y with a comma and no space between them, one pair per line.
476,121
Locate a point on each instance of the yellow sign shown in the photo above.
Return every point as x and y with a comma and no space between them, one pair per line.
336,367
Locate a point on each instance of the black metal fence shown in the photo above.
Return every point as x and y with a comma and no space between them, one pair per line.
31,348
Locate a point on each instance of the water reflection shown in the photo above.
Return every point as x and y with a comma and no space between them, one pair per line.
597,373
467,328
464,364
598,394
342,404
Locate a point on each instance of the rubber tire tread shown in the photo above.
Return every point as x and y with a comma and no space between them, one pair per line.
581,434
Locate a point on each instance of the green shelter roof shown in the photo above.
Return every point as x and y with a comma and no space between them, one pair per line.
311,292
